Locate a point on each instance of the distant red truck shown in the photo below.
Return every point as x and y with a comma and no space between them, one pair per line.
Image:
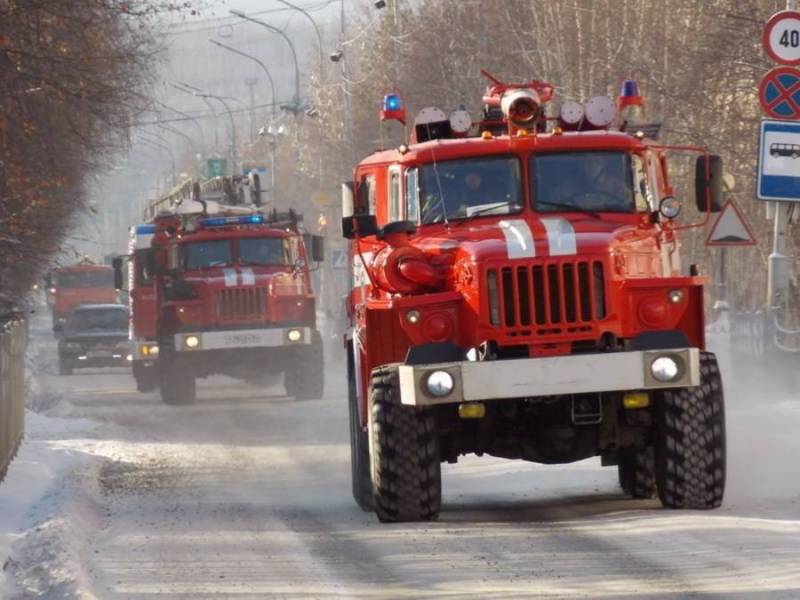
83,283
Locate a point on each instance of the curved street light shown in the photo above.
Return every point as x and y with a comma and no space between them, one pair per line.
160,147
194,121
260,63
313,22
197,92
210,106
241,15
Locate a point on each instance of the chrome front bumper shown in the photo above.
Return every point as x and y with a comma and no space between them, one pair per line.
551,376
243,338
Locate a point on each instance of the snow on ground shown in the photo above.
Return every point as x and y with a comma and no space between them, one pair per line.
114,494
40,482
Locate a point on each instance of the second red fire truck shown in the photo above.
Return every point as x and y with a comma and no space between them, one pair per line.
219,286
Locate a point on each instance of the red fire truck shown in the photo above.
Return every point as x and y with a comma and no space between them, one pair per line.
82,283
517,291
224,288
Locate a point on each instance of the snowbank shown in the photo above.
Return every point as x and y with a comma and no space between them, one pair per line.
39,484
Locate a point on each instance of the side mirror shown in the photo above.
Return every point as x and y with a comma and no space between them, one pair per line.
348,206
363,225
116,264
708,178
317,248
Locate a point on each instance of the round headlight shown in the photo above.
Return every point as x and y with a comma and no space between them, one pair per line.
153,350
439,383
675,296
412,316
666,368
294,335
191,341
669,207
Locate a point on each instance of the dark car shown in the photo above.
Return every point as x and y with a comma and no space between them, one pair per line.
95,335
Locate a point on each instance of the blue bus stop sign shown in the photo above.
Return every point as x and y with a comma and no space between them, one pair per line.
779,161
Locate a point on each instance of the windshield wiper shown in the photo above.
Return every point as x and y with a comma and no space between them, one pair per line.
486,209
570,208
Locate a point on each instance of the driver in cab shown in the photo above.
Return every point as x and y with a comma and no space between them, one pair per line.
595,182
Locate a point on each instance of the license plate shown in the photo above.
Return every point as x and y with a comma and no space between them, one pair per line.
99,354
238,340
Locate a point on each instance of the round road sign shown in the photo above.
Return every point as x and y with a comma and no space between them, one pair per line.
782,37
779,93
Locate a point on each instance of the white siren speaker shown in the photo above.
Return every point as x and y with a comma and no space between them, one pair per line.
600,111
571,114
460,122
521,107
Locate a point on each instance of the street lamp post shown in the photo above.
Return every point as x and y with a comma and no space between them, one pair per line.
273,133
194,121
162,147
257,61
210,106
179,133
313,23
280,32
190,89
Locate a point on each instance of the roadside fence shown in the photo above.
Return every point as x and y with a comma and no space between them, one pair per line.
13,343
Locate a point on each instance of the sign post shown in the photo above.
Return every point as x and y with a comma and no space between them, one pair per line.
779,146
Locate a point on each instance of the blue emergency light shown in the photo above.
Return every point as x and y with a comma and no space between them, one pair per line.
223,221
392,108
629,94
392,102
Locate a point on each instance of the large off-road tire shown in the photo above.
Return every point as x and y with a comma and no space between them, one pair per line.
359,448
177,385
404,444
64,368
146,379
690,442
177,389
304,377
636,472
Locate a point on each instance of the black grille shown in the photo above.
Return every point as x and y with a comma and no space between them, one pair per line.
241,304
547,294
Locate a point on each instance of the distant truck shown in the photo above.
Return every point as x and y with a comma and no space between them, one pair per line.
82,283
219,286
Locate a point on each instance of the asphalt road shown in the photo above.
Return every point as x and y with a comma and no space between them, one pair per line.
247,495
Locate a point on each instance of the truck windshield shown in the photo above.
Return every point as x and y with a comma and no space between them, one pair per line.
98,319
199,255
582,182
85,279
460,189
263,251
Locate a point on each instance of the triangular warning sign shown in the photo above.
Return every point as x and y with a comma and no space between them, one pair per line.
731,228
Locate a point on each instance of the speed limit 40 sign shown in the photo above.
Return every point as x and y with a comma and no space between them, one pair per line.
782,37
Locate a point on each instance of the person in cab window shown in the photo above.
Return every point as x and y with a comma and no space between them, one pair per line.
471,194
599,181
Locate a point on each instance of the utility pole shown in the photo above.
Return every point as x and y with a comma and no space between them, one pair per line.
251,82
